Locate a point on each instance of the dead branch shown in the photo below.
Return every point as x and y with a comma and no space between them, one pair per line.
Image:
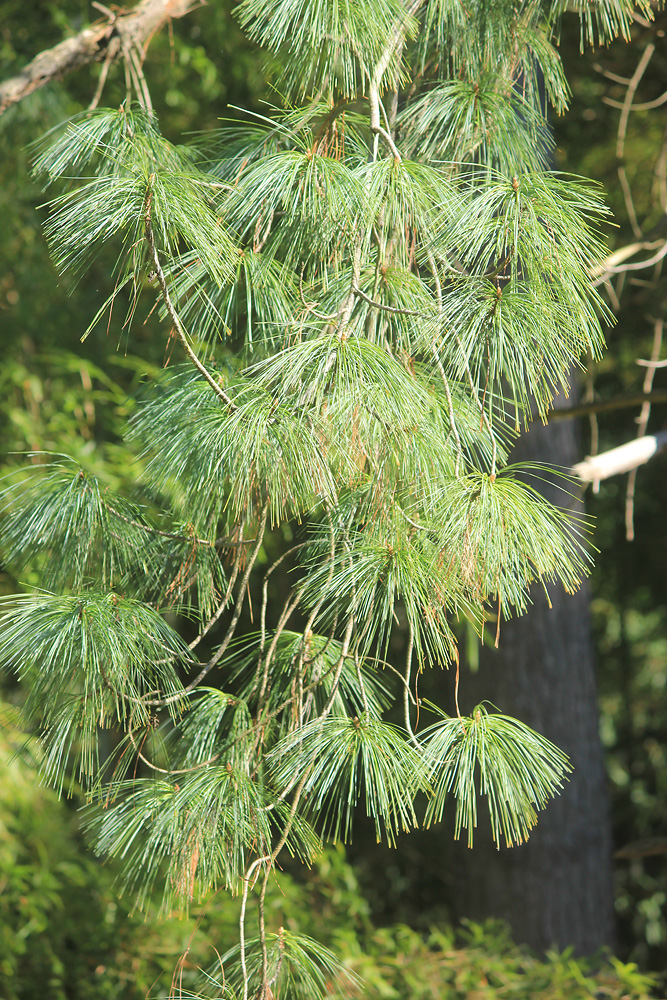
621,402
643,848
623,459
123,30
642,424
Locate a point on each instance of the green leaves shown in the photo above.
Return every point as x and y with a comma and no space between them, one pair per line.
61,521
337,758
298,966
58,515
476,121
211,459
140,175
341,375
525,311
490,755
100,639
499,37
501,535
199,829
409,197
530,225
385,566
351,37
316,195
90,660
256,306
519,335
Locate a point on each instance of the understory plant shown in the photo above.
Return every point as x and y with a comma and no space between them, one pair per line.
370,290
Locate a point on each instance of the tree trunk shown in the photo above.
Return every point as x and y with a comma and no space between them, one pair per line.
557,888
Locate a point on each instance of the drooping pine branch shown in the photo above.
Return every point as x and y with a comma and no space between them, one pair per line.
373,284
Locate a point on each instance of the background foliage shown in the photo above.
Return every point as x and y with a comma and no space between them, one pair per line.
629,597
65,934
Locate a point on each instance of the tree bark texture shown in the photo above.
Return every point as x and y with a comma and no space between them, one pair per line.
107,40
557,888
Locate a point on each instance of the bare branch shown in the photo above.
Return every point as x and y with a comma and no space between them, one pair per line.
646,106
643,848
623,402
651,364
126,30
379,305
623,459
630,93
639,266
611,262
611,76
642,424
173,315
394,44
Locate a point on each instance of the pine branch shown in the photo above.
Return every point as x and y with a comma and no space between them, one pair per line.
379,305
173,315
126,30
349,409
218,543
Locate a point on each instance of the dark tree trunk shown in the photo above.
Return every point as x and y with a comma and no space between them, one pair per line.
557,888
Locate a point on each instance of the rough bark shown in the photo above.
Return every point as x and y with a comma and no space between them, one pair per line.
107,40
557,889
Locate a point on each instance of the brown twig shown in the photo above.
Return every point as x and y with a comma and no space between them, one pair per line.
219,653
642,66
379,305
244,902
218,543
642,423
215,617
177,325
456,688
406,688
264,993
622,402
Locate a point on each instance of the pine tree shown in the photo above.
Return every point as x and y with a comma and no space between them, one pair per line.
373,288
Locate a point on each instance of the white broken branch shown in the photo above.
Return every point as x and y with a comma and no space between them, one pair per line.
623,459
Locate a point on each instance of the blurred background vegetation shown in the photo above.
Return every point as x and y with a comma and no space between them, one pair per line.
63,932
629,605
